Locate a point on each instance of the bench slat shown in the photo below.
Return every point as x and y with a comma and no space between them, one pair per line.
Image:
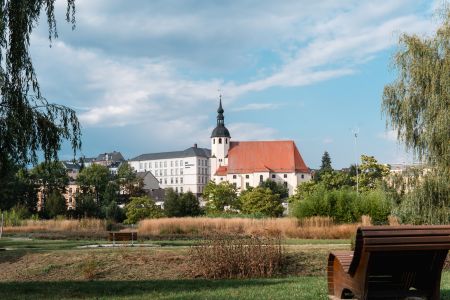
407,240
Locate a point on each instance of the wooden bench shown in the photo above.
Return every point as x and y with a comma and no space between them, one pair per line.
122,236
390,262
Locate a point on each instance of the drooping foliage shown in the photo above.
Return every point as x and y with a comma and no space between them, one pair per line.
417,107
29,124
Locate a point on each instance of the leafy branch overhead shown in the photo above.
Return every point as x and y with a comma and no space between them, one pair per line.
29,125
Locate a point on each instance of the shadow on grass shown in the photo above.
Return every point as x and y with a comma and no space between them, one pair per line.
96,289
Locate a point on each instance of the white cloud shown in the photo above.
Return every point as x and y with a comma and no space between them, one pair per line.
327,141
256,106
251,132
144,63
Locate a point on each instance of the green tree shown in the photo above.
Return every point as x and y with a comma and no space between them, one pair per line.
55,205
263,201
219,196
28,123
325,166
141,208
86,206
181,205
172,204
50,177
417,107
371,172
17,187
276,187
190,204
130,184
94,179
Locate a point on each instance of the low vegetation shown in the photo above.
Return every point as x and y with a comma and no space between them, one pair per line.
230,256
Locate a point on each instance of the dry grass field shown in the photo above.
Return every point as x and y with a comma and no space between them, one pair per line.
312,228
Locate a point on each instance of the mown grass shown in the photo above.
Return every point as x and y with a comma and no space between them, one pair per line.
278,288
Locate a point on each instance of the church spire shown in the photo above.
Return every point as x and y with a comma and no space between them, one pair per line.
220,130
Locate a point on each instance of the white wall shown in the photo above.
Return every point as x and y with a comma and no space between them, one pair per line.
182,174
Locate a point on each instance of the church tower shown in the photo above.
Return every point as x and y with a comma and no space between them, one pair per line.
220,141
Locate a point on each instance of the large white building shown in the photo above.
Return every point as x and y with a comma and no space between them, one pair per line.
184,171
246,164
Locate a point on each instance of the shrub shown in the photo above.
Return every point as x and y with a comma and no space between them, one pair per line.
141,208
343,205
227,256
261,200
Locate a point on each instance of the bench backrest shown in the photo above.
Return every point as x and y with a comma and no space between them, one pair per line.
399,238
122,236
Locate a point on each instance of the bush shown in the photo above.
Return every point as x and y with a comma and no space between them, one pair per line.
261,200
223,256
141,208
343,205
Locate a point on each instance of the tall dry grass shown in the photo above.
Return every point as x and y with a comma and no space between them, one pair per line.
312,228
82,225
230,256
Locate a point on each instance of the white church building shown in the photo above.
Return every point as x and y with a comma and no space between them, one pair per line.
246,164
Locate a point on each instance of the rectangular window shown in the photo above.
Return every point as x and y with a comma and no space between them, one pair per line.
171,171
181,171
181,163
234,176
247,176
176,163
247,185
198,179
176,189
176,171
303,176
285,175
171,163
273,176
176,180
171,180
160,164
165,164
141,166
145,166
165,172
150,165
181,189
181,179
198,170
165,180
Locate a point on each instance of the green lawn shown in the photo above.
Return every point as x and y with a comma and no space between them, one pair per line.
38,255
279,288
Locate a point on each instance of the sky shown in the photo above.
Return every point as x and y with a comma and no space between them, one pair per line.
145,76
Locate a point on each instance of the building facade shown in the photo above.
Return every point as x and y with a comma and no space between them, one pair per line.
183,171
247,164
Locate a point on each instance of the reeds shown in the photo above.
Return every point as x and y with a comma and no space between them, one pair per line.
82,225
312,228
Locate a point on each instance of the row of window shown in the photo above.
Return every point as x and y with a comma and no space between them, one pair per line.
261,176
160,164
219,141
203,162
172,172
173,180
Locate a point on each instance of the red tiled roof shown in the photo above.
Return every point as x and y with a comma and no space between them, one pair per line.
221,171
263,156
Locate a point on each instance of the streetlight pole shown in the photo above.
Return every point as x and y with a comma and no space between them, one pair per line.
355,132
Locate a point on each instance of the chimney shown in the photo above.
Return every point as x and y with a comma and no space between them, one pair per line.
195,145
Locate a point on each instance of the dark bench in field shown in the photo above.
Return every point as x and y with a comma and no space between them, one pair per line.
390,262
122,236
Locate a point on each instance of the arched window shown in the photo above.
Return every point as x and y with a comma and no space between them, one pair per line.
220,140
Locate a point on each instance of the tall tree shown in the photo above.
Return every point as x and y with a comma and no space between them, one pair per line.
417,107
371,172
325,167
28,123
94,179
50,176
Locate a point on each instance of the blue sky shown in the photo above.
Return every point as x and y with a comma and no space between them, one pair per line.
144,76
